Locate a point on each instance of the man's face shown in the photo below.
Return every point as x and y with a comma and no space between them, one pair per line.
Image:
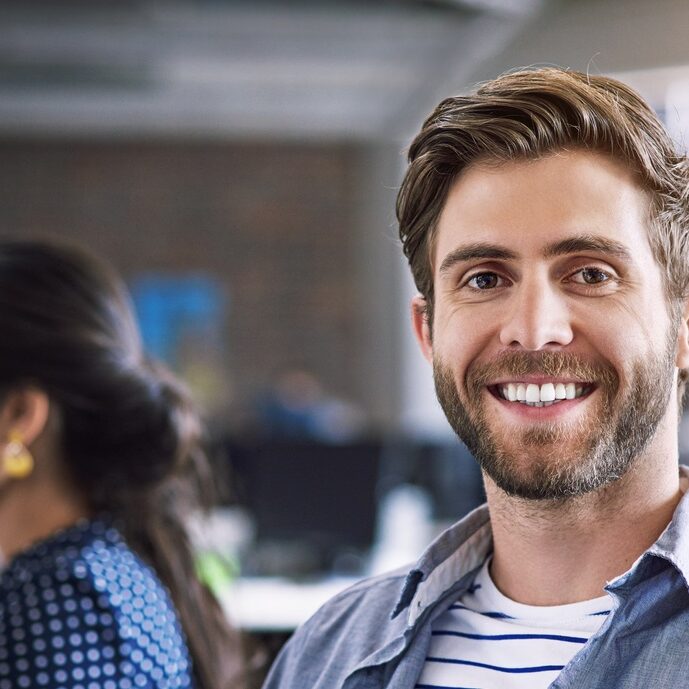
552,345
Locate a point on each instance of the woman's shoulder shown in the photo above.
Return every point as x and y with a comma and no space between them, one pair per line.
82,605
88,557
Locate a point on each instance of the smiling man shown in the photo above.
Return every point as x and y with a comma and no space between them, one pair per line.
546,222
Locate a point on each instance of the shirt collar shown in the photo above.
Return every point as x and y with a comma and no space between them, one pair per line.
464,546
456,552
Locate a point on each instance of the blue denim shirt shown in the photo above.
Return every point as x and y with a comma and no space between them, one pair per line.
377,633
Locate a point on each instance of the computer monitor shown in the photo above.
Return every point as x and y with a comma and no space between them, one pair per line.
319,498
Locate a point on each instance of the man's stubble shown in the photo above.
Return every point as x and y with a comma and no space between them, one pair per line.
556,460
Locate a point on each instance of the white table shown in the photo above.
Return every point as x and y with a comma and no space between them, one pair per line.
275,604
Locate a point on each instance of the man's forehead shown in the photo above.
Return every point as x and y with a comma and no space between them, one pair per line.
537,207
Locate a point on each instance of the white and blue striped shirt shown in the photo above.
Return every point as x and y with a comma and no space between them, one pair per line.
487,641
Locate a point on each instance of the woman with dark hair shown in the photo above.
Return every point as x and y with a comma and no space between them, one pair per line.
100,466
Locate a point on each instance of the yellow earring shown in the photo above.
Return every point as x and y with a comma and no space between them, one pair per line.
17,461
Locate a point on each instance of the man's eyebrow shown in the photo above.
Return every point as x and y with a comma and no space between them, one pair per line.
571,245
470,252
588,242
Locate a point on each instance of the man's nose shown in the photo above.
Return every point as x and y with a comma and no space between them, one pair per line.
538,318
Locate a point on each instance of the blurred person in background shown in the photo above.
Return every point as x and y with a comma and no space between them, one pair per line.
100,467
297,407
546,222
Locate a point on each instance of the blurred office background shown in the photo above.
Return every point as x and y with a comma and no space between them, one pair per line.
238,162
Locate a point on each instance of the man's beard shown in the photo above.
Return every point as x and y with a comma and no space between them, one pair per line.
557,460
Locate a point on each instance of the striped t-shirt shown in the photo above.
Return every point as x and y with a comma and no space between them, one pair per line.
487,641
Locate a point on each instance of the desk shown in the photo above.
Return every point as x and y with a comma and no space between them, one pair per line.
273,604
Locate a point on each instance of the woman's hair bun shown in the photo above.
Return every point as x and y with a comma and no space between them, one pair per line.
141,426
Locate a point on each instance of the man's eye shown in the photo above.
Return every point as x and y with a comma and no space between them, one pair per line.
591,276
484,281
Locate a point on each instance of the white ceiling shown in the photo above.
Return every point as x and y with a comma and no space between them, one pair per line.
324,70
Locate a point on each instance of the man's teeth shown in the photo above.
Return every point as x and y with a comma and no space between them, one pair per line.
541,395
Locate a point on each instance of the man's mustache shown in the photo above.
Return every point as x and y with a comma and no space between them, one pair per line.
564,365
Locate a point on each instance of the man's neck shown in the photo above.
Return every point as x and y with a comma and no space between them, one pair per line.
553,553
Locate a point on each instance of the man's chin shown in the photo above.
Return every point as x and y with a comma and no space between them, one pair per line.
542,485
539,473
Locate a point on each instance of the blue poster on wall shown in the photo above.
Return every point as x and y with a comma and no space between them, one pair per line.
182,319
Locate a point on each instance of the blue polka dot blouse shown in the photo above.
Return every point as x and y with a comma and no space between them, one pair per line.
81,611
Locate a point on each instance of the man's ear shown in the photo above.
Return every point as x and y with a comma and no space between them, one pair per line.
422,326
25,412
682,357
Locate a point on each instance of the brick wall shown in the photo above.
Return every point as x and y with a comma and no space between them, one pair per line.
275,223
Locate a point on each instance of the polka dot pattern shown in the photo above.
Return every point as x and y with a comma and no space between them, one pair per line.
82,611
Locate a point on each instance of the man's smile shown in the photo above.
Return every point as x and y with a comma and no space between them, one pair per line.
533,393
